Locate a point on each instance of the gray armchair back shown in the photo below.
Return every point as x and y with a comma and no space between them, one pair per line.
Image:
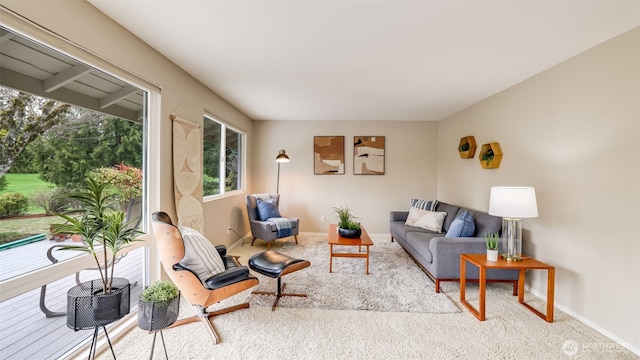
267,230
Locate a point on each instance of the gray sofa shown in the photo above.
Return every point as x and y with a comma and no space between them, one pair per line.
439,256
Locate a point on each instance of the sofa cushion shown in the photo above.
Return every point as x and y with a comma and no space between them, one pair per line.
452,213
420,243
486,223
462,226
399,229
429,220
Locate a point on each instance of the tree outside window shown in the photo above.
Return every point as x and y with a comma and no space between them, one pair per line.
222,158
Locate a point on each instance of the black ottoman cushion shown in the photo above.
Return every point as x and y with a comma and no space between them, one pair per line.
271,263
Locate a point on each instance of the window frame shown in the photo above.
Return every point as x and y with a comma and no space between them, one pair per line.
223,159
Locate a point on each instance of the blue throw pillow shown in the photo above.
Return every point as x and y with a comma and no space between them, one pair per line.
267,209
462,226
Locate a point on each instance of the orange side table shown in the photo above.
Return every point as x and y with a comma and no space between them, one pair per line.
480,260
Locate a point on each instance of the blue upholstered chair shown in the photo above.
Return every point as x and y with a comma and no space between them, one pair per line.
267,229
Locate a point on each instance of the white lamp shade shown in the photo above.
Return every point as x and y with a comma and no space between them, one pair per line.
513,202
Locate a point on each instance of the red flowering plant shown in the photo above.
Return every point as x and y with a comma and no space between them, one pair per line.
126,180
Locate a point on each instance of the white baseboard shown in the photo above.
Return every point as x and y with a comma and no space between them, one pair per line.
240,242
585,321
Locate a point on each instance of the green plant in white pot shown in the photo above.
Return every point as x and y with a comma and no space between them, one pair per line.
492,240
158,306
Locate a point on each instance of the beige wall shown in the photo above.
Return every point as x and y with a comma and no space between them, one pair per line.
410,160
572,132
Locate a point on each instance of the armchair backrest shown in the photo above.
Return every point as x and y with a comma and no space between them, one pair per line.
171,251
252,206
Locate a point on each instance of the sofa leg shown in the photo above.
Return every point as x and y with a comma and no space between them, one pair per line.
392,239
437,286
515,288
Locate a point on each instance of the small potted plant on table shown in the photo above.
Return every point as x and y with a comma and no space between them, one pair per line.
347,226
492,241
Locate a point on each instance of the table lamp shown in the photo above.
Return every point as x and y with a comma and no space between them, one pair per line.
513,203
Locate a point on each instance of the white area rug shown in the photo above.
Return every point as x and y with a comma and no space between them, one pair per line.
394,282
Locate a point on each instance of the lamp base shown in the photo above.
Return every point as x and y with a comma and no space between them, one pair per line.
510,258
512,235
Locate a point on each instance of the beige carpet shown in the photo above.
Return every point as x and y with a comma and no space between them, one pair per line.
510,332
394,282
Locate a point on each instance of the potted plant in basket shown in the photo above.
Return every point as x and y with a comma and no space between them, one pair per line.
347,226
492,241
158,306
100,223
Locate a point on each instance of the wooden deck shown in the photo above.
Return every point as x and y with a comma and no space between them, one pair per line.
25,331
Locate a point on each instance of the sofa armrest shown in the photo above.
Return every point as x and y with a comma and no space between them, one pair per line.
398,215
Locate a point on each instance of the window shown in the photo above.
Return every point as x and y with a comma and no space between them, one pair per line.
223,158
108,132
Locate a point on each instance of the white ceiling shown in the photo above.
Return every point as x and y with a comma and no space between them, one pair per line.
367,60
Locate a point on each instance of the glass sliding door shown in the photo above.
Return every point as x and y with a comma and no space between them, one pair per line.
62,121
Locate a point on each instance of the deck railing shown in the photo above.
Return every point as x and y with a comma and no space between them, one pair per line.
25,331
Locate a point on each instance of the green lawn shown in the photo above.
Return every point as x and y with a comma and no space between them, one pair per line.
19,228
27,184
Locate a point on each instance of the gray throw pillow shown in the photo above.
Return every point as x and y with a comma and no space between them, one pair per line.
200,256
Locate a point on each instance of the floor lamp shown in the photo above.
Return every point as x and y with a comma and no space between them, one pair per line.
513,203
281,158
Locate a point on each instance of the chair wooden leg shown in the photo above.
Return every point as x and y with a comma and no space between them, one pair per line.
206,316
252,240
212,330
296,238
268,245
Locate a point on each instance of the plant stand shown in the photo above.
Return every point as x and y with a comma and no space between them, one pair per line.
89,308
94,343
156,316
153,345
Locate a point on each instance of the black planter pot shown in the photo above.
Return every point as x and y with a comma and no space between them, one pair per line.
154,315
88,307
348,233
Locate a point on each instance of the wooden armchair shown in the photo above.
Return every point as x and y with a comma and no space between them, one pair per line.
201,294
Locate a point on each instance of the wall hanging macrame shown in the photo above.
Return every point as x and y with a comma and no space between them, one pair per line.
187,173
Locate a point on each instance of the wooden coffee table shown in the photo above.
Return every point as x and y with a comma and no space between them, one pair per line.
337,240
480,260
